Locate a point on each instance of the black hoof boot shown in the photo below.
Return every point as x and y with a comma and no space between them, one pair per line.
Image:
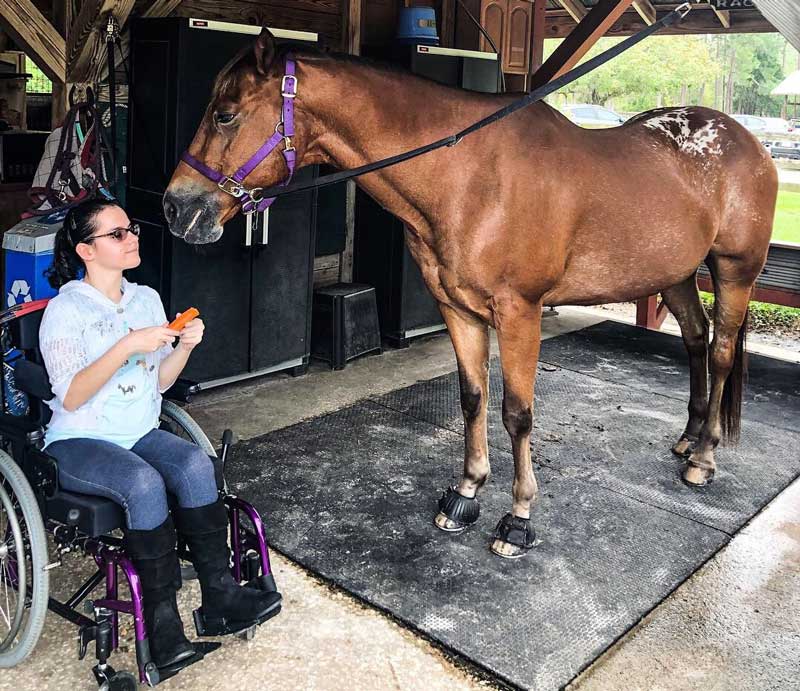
513,537
456,512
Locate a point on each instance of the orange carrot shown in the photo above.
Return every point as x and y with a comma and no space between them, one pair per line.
184,319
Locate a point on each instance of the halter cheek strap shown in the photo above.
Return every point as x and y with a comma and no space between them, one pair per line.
251,199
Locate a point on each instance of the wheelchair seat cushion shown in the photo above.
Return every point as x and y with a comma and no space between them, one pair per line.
96,515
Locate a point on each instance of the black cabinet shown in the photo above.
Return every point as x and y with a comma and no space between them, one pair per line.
253,287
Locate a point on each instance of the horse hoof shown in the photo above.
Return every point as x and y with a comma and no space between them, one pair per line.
697,477
456,512
514,537
684,447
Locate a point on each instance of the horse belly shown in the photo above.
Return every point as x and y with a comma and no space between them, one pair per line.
626,271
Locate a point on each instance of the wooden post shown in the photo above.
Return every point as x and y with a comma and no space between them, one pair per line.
64,13
650,313
352,27
448,29
538,22
352,46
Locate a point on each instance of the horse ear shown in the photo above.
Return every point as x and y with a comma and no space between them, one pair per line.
265,50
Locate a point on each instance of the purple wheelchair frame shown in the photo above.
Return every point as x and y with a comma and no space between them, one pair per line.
110,559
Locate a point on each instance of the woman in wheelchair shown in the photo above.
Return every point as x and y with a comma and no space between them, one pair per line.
109,355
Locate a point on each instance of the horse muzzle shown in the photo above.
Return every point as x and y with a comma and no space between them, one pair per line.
194,218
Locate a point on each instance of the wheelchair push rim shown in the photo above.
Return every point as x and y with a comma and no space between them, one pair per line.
13,576
24,580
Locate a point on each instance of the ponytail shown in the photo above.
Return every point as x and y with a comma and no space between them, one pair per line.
78,226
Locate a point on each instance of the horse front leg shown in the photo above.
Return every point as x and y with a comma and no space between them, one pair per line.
519,335
458,506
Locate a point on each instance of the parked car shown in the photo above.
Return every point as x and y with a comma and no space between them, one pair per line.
592,116
751,122
763,125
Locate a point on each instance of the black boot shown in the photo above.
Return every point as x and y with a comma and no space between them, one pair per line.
226,604
153,554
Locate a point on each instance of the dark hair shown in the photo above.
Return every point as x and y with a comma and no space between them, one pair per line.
78,225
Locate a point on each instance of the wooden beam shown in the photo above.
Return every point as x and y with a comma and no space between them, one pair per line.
724,16
35,35
86,47
646,11
569,52
352,27
161,8
576,9
701,20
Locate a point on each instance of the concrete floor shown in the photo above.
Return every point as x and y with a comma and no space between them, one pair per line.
733,625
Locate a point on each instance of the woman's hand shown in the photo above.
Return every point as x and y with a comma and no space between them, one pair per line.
148,340
191,334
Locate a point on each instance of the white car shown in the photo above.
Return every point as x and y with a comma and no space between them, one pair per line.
762,125
592,116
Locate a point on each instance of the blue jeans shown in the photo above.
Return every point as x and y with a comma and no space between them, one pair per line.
138,479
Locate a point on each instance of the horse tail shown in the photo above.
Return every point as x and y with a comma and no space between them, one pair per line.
733,389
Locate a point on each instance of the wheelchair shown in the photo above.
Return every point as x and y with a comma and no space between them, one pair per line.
32,505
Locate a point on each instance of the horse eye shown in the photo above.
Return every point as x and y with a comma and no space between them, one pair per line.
224,118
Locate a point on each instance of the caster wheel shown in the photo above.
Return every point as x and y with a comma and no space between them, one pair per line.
151,674
248,634
118,681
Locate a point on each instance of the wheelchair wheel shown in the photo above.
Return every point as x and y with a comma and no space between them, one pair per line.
176,420
24,582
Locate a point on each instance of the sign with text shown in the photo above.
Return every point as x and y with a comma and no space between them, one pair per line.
732,4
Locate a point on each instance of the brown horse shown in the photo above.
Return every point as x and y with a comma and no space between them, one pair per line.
527,212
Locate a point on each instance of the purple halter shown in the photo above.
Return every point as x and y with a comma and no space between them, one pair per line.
251,199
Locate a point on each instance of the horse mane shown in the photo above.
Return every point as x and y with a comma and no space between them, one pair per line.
227,76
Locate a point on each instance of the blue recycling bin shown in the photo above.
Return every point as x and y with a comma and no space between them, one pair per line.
28,252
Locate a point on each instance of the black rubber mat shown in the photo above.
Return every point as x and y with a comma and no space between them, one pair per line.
351,495
620,437
655,361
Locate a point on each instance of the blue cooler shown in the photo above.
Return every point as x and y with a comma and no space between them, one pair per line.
417,25
28,249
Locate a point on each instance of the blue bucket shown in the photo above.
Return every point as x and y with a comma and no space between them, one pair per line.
417,25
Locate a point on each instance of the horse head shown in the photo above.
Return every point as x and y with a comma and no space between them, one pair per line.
247,109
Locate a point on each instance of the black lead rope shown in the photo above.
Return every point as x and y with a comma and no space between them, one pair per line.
537,95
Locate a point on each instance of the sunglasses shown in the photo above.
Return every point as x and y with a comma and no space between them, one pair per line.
119,234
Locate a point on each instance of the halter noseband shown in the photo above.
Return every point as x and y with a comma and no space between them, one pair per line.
251,199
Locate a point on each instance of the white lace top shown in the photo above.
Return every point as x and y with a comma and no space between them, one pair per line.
79,325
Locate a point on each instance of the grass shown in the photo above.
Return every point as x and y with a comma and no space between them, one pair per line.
787,217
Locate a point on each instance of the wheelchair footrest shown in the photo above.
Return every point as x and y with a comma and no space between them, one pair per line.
201,649
220,626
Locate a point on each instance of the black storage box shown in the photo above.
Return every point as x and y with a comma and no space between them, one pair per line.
344,323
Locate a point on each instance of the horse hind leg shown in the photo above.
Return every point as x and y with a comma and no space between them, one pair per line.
684,303
733,283
458,506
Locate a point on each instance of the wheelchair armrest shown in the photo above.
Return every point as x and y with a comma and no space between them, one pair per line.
182,390
41,471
